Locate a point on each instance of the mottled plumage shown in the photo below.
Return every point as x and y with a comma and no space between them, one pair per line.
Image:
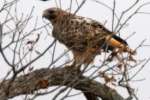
84,36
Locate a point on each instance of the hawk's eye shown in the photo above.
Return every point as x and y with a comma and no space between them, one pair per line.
51,11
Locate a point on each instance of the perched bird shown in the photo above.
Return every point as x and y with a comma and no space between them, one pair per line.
84,36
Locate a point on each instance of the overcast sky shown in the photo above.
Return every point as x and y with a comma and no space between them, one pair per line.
139,24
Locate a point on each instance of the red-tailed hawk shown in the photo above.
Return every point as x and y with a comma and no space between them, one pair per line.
84,36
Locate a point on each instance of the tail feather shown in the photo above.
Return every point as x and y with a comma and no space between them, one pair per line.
115,41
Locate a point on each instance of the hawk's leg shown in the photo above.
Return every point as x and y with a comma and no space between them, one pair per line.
85,58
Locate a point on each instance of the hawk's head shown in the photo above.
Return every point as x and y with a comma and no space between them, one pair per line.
52,14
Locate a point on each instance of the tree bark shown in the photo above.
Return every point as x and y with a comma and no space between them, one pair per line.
44,78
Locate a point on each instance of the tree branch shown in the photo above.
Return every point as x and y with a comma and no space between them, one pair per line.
44,78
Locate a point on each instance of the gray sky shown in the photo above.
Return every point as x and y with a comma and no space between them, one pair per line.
139,24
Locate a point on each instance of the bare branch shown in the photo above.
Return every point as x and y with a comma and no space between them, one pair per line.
43,78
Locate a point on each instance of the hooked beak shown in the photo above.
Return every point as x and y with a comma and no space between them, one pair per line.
45,14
